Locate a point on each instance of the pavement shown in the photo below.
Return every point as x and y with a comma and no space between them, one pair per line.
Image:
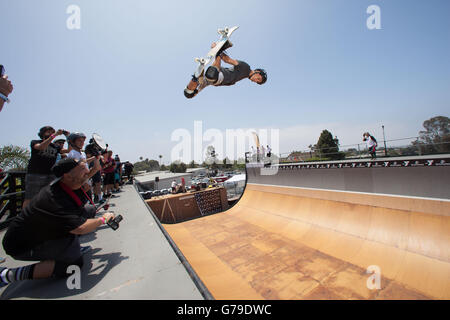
134,262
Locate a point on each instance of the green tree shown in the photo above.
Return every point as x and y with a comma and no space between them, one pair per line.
14,157
436,136
177,167
328,147
192,164
146,165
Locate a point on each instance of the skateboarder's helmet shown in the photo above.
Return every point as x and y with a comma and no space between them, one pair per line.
263,74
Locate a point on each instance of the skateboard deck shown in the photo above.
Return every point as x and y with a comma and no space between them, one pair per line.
225,35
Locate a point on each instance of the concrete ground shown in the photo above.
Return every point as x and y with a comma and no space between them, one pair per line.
134,262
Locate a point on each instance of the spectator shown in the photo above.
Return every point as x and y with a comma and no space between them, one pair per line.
60,143
43,157
96,179
117,174
47,230
128,170
6,87
174,186
269,152
76,143
371,144
108,169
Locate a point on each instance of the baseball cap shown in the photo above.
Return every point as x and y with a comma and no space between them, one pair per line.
63,166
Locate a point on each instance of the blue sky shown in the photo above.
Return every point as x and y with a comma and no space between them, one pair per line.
123,73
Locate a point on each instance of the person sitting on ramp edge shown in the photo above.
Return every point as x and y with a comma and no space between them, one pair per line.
219,76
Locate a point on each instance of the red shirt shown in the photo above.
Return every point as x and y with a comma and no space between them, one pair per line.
111,167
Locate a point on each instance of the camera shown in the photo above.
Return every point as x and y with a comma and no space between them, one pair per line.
2,70
92,148
114,223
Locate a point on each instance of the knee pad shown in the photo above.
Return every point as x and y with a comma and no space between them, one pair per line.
60,270
190,93
212,74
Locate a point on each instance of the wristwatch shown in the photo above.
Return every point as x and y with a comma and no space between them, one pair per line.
5,98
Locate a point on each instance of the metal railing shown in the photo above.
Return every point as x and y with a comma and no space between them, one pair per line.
394,148
12,193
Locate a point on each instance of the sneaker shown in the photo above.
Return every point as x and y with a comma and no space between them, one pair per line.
85,249
2,284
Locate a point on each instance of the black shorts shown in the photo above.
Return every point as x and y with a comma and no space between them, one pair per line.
96,178
65,250
109,178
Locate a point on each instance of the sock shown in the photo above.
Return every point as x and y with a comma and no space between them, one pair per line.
16,274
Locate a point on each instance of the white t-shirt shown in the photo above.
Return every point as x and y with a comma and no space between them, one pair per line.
370,142
74,154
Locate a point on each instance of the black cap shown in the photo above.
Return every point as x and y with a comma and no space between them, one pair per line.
63,166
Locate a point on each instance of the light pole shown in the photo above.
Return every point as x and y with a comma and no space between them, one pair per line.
384,138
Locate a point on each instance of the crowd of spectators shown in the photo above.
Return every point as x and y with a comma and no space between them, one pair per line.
63,194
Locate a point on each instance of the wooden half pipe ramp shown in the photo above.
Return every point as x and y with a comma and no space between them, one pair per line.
294,243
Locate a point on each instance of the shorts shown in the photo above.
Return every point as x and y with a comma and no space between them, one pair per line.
34,182
97,178
109,178
116,177
65,249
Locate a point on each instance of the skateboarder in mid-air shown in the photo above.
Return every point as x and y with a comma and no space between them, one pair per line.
217,75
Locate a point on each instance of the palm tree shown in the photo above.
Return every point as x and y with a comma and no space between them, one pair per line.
14,157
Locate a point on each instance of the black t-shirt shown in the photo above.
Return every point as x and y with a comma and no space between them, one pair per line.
50,215
128,167
235,73
41,162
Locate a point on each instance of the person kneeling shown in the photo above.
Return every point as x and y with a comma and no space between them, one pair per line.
47,229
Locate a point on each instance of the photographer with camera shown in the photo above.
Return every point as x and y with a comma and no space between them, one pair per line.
47,229
92,150
43,156
5,87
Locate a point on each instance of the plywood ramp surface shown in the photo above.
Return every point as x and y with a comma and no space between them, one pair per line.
277,244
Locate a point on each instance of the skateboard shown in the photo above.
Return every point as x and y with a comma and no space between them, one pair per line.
225,35
104,205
